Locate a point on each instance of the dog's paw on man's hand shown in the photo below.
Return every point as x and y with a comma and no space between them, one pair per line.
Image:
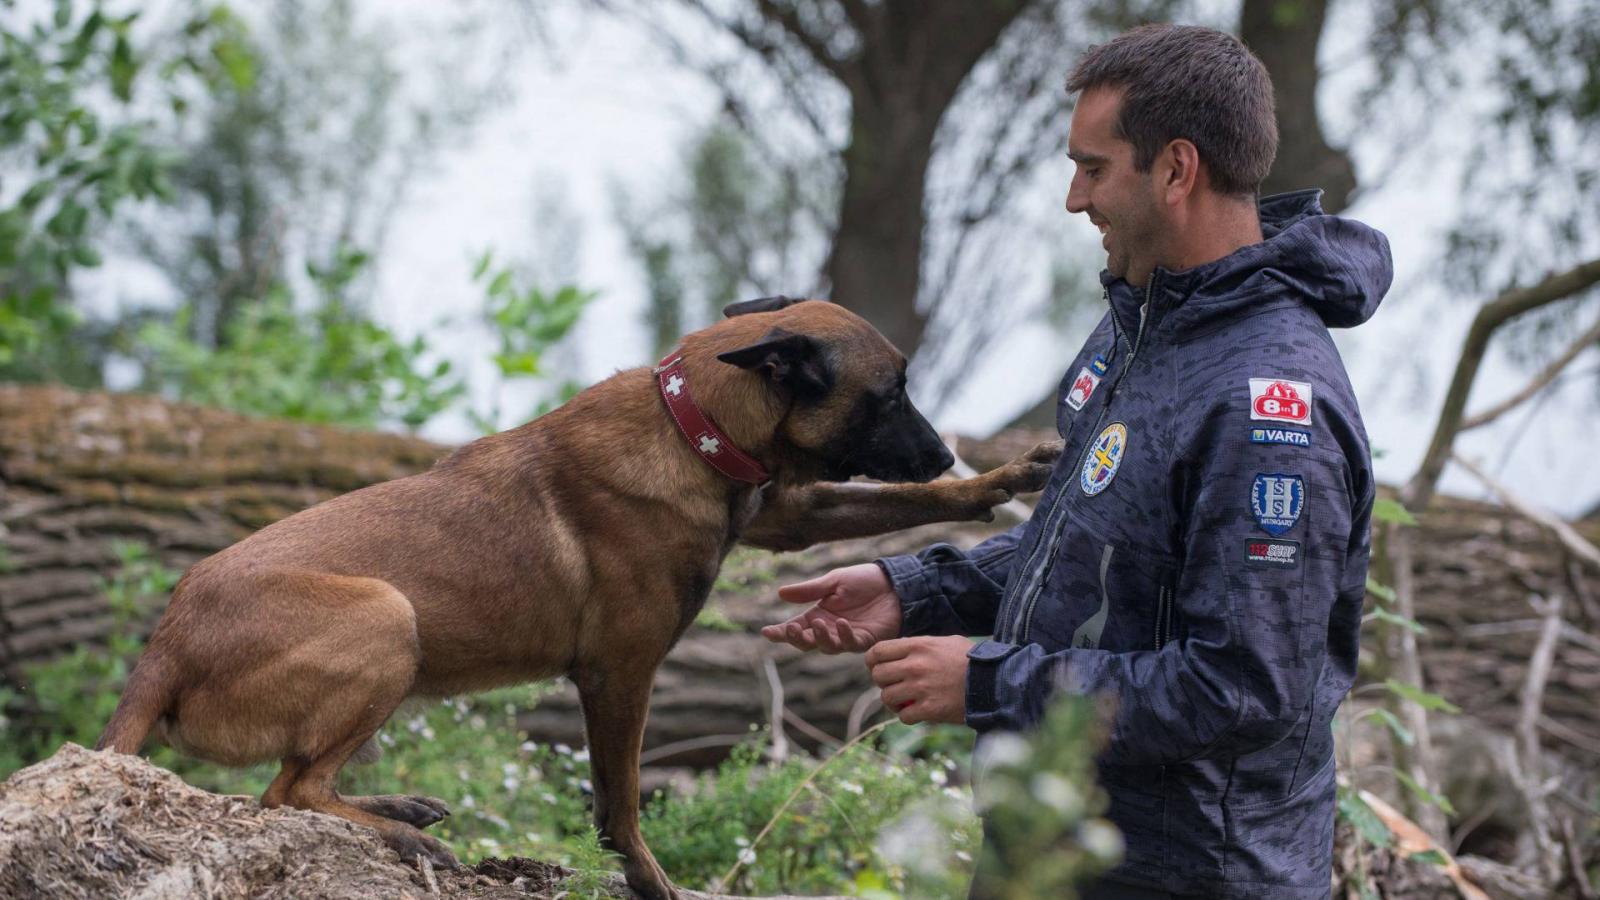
1023,475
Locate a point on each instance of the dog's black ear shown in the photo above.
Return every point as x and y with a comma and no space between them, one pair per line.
787,358
764,304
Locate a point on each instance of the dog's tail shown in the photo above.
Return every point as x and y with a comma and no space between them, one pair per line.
149,693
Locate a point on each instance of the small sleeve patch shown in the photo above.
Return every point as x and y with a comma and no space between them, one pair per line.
1082,388
1276,500
1294,437
1273,554
1276,400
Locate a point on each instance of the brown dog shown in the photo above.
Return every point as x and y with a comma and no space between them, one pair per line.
582,543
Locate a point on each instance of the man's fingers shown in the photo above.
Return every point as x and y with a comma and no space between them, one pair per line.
827,632
859,639
890,650
799,636
808,591
896,695
885,674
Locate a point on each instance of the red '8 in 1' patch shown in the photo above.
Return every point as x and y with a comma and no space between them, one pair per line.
1275,400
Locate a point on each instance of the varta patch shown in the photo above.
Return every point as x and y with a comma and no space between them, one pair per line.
1104,456
1276,501
1271,553
1291,436
1098,366
1082,388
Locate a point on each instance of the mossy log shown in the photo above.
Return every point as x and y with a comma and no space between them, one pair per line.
82,470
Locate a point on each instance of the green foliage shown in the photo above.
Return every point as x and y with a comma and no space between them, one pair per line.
714,619
1368,827
1043,807
329,365
590,863
1425,795
67,84
527,322
737,224
821,823
1388,510
1425,699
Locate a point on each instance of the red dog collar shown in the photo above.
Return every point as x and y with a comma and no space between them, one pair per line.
697,428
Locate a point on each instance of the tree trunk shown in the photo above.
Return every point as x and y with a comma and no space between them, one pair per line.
1285,35
914,57
875,268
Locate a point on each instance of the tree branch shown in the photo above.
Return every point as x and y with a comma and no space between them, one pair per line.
1419,492
1574,542
1538,383
788,18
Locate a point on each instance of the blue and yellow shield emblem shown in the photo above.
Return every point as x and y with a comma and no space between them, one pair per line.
1105,454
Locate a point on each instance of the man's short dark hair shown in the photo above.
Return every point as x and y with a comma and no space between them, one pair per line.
1199,84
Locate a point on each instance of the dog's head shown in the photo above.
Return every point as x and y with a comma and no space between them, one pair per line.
845,387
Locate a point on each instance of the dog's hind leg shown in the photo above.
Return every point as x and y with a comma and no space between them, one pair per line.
616,700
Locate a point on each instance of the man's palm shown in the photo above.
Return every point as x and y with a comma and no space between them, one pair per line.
854,608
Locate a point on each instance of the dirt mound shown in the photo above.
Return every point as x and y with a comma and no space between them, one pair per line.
87,824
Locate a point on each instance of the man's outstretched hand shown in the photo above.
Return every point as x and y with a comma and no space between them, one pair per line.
854,608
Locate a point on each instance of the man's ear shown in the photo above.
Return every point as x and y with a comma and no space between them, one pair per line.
790,359
764,304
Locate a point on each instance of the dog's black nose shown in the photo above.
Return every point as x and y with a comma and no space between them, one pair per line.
946,458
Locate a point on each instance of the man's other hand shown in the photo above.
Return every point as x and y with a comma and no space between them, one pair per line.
855,607
924,679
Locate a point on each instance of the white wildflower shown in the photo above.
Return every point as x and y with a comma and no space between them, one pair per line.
747,857
468,801
548,797
937,777
582,755
852,787
563,749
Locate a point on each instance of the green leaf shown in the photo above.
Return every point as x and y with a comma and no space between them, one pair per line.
237,62
1381,591
1389,510
1392,722
1432,857
1390,618
1366,823
517,363
1427,796
482,265
1424,699
123,68
86,256
500,284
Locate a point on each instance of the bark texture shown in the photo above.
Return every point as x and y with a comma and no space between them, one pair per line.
79,471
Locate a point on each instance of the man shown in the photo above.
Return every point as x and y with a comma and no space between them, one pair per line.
1200,553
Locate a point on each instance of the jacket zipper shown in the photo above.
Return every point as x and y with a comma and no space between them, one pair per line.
1163,610
1029,597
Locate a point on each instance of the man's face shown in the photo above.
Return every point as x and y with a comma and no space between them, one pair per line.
1119,200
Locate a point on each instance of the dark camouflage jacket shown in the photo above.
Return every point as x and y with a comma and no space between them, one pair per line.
1199,555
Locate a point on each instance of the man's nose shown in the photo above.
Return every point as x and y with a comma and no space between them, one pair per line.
1077,201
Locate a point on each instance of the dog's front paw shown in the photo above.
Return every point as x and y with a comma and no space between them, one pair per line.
1028,472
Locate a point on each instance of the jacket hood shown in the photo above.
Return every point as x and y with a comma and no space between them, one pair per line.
1339,267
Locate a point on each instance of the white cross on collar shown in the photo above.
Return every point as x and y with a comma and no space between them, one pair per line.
674,385
709,444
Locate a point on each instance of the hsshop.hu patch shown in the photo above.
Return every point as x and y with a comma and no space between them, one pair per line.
1273,554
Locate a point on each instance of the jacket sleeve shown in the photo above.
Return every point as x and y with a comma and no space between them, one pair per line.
1253,609
944,590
